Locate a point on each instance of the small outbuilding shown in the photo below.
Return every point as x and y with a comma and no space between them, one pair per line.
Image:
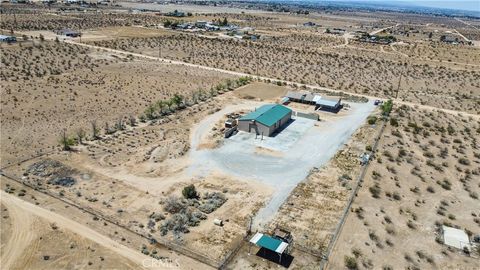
265,120
8,39
68,33
330,104
302,97
455,238
269,243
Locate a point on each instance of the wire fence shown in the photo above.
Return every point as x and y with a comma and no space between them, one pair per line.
338,229
162,243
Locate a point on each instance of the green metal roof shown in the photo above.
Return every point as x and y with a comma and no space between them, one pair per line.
269,243
267,114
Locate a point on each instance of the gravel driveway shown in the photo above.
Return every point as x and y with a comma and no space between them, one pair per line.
302,145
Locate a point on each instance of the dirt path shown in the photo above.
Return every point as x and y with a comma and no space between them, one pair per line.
22,234
383,29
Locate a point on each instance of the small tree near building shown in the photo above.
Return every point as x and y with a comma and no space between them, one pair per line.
189,192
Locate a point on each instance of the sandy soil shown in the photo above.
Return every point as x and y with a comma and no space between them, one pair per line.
425,174
91,86
36,233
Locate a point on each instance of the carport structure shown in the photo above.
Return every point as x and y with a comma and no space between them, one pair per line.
270,243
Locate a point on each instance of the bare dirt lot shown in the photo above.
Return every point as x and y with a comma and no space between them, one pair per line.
79,86
425,175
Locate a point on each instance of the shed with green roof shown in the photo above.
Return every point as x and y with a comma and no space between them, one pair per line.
265,120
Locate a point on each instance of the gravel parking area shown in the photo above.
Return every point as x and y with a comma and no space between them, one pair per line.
302,145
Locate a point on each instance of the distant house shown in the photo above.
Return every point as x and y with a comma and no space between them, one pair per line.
322,103
211,27
176,13
68,33
201,24
449,39
8,39
337,31
184,26
265,120
301,97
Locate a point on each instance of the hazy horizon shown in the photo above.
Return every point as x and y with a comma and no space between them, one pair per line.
470,5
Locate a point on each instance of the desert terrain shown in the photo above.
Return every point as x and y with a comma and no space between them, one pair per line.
114,153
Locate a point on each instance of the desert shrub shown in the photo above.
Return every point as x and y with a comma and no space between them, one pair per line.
350,262
212,201
375,191
445,184
174,205
356,252
411,225
157,216
396,133
394,122
368,148
464,161
390,229
373,236
359,211
372,120
387,219
189,192
430,189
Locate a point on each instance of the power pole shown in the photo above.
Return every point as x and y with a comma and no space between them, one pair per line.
398,87
159,50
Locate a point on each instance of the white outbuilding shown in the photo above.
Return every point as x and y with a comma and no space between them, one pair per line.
455,238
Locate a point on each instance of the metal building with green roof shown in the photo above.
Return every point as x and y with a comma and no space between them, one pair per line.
265,120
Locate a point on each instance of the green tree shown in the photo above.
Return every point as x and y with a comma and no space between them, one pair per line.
189,192
169,104
387,107
149,112
177,100
66,141
160,105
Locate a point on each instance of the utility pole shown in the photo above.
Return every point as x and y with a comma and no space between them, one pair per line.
398,87
159,50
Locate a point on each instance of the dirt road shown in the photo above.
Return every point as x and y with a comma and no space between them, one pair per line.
22,233
235,73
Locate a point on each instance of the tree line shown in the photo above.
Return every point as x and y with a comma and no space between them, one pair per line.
154,111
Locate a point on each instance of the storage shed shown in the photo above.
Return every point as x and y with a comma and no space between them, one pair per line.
455,238
265,120
331,104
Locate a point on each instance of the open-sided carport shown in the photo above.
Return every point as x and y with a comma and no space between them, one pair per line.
270,243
